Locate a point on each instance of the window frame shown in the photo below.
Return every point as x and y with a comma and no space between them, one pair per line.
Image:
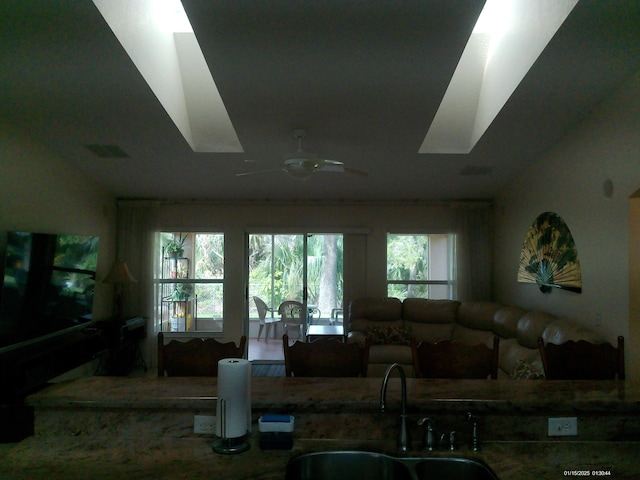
161,281
451,262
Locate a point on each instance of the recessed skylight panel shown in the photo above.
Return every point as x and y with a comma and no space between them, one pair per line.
508,38
159,39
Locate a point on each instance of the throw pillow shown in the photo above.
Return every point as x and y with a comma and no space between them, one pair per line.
389,335
526,371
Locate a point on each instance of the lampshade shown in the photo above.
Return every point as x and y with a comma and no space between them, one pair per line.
119,273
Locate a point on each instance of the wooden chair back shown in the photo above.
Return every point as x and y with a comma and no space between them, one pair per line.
452,359
196,357
325,357
582,360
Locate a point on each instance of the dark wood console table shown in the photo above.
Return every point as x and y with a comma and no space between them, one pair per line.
123,339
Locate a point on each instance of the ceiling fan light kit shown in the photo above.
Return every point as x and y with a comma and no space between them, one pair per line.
300,167
303,165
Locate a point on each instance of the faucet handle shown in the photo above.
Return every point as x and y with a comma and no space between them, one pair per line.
452,441
430,436
427,421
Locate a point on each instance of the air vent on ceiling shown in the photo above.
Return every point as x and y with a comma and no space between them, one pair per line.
476,170
108,151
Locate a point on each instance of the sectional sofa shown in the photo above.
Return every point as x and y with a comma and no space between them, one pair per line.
390,322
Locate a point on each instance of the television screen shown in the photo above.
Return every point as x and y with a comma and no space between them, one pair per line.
48,284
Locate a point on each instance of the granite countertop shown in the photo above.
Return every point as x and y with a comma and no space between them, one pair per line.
96,458
348,394
135,428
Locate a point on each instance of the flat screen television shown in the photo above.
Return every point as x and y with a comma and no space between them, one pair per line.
47,287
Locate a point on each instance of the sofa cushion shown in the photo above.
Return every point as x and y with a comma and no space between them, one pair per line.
376,309
395,335
364,324
431,332
379,369
429,311
561,330
477,315
471,336
505,321
511,352
531,326
388,354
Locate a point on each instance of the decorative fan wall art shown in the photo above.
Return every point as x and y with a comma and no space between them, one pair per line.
549,256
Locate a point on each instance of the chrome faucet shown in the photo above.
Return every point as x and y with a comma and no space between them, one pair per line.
404,442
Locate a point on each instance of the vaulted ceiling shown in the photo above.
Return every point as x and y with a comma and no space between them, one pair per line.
364,80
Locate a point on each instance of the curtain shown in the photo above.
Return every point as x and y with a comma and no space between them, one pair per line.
135,245
473,227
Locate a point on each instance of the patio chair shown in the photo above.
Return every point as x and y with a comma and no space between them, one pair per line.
263,309
293,315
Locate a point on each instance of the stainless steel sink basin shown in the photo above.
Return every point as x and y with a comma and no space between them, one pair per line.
347,466
350,465
459,468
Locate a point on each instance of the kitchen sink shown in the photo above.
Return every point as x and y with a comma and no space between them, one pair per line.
459,468
347,466
353,465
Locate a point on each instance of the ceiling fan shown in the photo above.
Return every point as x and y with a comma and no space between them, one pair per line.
301,164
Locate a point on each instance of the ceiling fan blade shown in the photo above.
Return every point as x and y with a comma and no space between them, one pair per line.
324,161
245,174
338,167
333,168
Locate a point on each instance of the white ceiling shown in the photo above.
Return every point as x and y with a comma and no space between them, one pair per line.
364,79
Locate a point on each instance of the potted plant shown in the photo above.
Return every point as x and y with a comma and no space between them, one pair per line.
182,292
175,246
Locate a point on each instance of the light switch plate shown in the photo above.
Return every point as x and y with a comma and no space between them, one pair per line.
204,424
563,426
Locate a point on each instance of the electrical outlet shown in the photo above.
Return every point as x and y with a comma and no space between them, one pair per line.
204,424
562,427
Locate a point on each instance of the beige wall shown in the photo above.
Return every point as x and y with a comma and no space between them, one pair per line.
41,193
633,340
569,181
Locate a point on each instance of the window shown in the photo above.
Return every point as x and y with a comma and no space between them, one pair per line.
190,282
420,266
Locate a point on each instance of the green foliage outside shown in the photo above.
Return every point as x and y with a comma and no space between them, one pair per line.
206,254
407,259
276,269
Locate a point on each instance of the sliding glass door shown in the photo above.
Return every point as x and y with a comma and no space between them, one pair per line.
306,268
324,278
